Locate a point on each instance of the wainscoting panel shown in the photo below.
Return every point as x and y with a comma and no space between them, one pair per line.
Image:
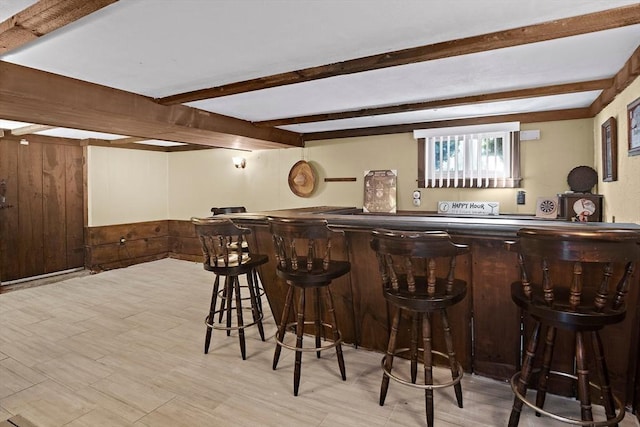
121,245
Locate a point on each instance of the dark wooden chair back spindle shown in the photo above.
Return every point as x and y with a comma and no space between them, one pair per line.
223,243
303,251
407,263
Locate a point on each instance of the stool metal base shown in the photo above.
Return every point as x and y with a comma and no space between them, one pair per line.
228,299
292,327
259,293
394,377
232,328
568,420
321,327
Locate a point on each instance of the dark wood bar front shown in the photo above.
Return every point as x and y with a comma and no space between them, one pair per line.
486,323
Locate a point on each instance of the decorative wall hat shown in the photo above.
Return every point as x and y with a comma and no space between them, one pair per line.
302,179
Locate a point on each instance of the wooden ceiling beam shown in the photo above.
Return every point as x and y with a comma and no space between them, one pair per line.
450,102
42,18
129,140
535,117
560,28
44,139
623,78
146,147
35,96
106,143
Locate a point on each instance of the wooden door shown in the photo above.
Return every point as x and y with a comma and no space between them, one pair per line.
41,222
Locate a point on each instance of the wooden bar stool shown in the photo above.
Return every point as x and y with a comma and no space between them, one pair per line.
407,262
303,255
231,210
227,255
584,297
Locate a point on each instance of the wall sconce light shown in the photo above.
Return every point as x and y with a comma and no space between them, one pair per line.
239,162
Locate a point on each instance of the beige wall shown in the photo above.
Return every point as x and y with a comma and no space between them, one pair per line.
621,197
194,176
126,186
545,165
203,179
130,186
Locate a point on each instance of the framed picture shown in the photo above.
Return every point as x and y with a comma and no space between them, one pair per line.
609,150
633,118
380,191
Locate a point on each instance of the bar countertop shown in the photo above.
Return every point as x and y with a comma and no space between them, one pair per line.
493,225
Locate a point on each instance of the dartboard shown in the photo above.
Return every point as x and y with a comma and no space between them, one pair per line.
547,206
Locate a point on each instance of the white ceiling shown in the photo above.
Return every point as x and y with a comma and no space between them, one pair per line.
163,47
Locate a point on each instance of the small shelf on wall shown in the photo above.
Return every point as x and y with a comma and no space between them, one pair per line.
340,179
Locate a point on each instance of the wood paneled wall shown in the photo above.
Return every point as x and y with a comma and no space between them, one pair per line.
143,241
183,242
116,246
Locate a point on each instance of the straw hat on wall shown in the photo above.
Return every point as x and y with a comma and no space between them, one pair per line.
302,179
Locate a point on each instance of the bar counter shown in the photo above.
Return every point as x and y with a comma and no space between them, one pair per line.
486,324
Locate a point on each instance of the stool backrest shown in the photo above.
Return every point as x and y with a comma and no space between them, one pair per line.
302,244
595,256
228,210
223,243
413,254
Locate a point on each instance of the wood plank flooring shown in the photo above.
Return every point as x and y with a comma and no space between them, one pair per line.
125,348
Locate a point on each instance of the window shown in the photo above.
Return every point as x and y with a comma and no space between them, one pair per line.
483,156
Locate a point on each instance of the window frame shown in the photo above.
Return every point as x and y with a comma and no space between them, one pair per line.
514,179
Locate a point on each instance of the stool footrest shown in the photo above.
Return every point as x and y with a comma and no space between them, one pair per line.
232,328
259,293
292,326
613,421
401,380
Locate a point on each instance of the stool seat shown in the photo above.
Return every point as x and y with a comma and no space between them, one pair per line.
408,264
226,254
574,279
248,263
304,262
317,276
421,300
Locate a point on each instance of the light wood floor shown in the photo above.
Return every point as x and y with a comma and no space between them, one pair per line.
125,348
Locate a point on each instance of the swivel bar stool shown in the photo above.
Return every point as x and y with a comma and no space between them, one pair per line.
303,255
582,298
225,210
407,262
226,255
